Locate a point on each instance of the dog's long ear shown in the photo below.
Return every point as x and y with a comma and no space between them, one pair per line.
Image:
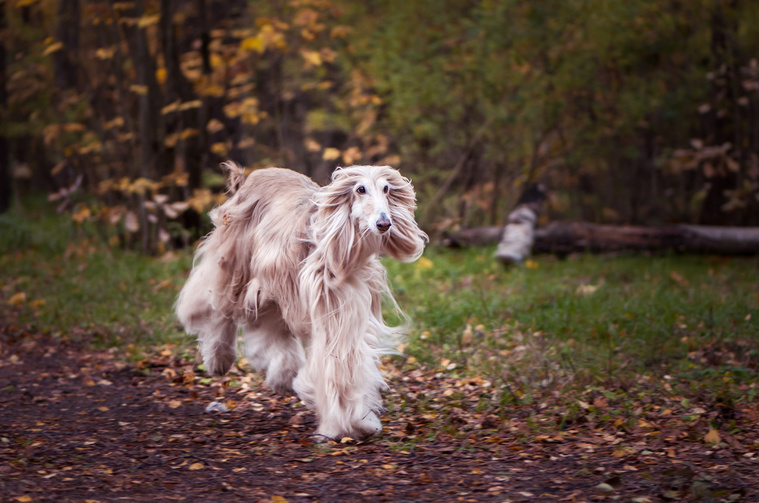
335,233
235,176
405,241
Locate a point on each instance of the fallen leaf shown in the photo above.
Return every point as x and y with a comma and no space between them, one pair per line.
604,488
712,437
175,404
17,300
586,289
196,466
188,376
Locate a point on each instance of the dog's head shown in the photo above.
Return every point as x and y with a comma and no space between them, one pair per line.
372,206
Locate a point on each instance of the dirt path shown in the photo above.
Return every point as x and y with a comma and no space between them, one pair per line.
77,425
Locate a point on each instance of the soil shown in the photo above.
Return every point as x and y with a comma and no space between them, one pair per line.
78,424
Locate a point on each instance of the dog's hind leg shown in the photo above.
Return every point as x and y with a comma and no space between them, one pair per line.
219,347
217,333
271,347
217,339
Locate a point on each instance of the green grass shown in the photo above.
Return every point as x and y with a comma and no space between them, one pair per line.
560,333
551,335
74,284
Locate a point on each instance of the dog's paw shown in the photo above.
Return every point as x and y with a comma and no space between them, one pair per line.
362,428
280,387
281,381
220,363
369,425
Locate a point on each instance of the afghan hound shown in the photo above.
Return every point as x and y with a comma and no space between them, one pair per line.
291,264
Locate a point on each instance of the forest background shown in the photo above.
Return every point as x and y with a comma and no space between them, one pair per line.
640,112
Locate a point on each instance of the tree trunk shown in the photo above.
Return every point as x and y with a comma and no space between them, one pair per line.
191,152
5,169
564,238
67,32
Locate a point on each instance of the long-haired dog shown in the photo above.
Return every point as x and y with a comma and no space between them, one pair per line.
290,264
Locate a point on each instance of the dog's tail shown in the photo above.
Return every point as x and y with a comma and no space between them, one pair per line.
235,176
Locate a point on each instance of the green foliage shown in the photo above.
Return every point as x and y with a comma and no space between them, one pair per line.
474,100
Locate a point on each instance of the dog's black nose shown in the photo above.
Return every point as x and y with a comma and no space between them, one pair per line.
383,224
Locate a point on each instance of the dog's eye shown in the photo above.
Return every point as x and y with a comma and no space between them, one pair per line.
361,189
386,189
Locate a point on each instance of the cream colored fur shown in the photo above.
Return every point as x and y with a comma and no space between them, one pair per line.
292,264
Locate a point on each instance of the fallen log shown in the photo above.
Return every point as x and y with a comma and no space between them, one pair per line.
571,237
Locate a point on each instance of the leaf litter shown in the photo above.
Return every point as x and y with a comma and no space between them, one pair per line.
80,424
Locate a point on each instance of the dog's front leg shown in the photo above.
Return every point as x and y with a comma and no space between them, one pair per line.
341,378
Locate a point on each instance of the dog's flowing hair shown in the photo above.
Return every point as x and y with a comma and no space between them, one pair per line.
292,264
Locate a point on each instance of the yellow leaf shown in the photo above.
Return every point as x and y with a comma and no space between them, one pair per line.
246,143
196,466
103,409
105,53
37,303
220,149
52,48
171,107
253,44
531,264
148,20
137,89
214,126
351,155
330,154
423,263
23,498
174,404
278,499
17,299
187,105
340,31
251,119
188,133
74,127
313,58
160,75
232,110
712,437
